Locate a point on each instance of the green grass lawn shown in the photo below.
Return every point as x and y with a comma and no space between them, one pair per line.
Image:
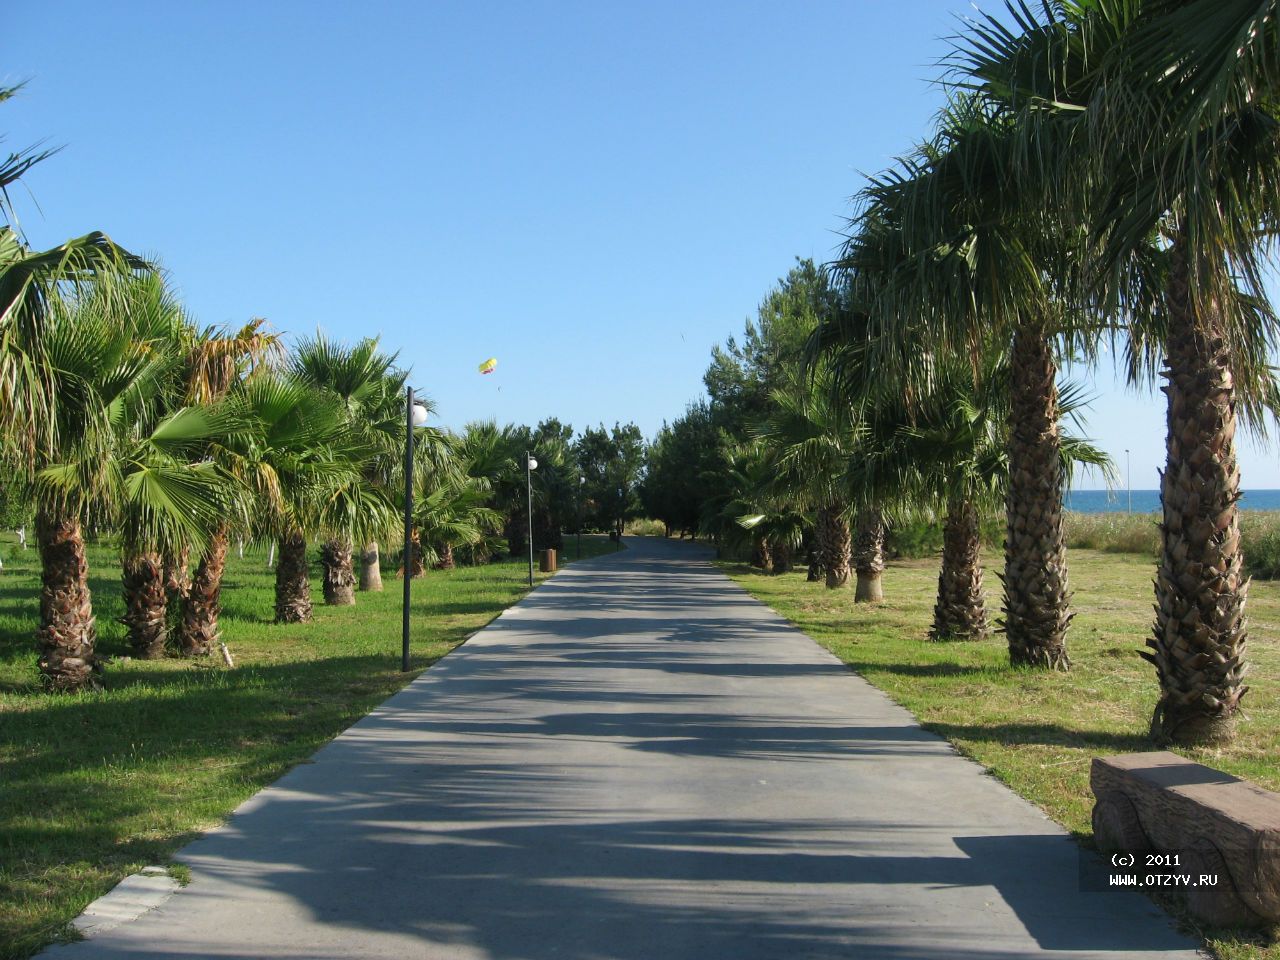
95,786
1038,731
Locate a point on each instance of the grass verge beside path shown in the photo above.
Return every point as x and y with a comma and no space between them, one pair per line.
1035,731
96,786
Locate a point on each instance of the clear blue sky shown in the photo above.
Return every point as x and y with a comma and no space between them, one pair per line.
594,193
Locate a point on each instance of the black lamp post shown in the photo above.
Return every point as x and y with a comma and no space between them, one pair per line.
415,415
1128,484
530,465
582,481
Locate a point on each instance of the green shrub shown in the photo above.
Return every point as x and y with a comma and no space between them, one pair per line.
644,527
917,538
1260,539
1139,533
923,538
1113,532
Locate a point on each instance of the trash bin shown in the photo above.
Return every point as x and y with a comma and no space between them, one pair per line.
547,563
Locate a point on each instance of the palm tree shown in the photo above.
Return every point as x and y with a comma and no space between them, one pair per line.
450,513
751,511
813,436
148,574
1205,177
958,441
105,365
216,361
305,468
962,253
1174,121
496,455
28,279
370,390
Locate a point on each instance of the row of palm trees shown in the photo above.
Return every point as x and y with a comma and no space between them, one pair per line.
118,413
1104,174
180,439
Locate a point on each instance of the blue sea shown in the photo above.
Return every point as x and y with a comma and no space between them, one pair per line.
1148,501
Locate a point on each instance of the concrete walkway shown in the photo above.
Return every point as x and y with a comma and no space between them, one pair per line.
639,762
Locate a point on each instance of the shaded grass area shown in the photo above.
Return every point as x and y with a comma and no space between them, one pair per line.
96,786
1038,731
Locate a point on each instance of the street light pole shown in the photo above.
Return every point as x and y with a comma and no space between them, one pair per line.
1127,482
408,527
415,415
530,465
581,482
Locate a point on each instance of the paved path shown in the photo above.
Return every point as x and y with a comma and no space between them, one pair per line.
639,762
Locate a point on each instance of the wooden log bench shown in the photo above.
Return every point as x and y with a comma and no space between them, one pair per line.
1216,824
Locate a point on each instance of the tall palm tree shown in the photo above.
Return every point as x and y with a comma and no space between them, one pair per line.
974,255
813,436
216,361
29,280
958,442
1205,176
1174,120
496,455
450,514
108,457
370,389
303,465
148,567
751,511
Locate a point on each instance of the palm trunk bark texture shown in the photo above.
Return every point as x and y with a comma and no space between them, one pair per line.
837,544
1198,646
339,583
293,582
371,567
1036,596
67,633
146,605
960,613
868,556
198,632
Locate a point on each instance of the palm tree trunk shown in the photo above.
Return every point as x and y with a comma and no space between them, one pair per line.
293,582
517,538
146,605
764,551
1200,631
339,573
1036,597
198,632
177,584
177,576
868,556
418,568
818,548
65,638
837,542
816,571
445,553
782,554
959,613
371,567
